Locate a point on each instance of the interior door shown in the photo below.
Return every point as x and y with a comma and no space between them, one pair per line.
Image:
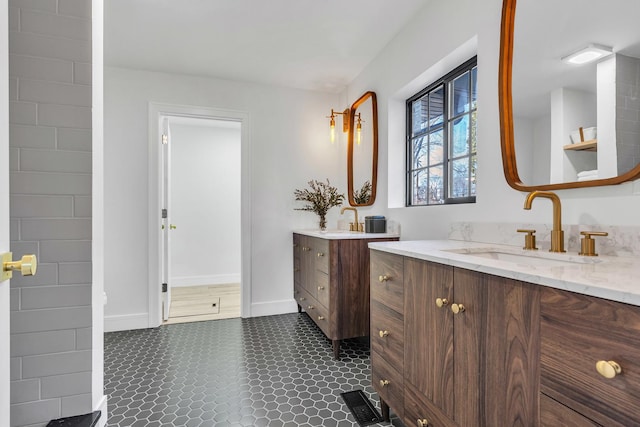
4,212
166,219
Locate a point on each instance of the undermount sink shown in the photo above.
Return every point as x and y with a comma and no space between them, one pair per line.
532,259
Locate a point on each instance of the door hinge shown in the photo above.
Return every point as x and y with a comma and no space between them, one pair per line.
165,139
164,287
164,213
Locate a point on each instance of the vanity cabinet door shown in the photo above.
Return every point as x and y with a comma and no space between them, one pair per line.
577,332
429,346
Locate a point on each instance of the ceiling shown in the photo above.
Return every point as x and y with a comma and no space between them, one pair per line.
309,44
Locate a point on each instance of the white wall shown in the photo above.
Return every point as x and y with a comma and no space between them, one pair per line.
205,204
289,146
415,50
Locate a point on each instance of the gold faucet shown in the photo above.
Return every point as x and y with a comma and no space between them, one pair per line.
353,226
557,235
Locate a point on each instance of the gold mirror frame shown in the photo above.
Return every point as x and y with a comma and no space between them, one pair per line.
374,170
505,100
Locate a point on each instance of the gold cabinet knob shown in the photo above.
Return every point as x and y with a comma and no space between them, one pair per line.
321,288
457,308
320,254
302,298
295,245
608,369
310,307
442,302
296,269
423,422
306,249
172,227
320,317
383,278
27,265
384,383
383,333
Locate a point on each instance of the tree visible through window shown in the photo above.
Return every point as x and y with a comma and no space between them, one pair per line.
441,138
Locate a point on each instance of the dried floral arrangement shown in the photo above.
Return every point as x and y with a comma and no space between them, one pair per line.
320,197
363,195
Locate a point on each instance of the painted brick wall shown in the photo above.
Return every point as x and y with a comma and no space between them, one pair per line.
50,157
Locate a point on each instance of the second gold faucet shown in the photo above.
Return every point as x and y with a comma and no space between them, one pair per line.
557,235
353,226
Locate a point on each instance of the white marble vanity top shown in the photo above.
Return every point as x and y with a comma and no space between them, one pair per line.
612,277
344,234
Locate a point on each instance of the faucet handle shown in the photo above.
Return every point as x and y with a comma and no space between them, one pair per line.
529,239
587,244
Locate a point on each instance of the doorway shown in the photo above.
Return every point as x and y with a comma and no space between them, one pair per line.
199,207
201,233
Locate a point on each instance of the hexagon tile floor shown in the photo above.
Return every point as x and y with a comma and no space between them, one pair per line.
275,371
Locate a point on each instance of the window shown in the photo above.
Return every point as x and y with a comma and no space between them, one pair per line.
441,140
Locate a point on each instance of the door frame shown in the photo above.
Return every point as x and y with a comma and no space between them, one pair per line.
156,111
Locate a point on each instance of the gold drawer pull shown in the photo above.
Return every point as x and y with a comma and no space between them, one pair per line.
608,369
321,288
320,254
296,270
306,249
310,307
423,422
302,298
383,334
442,302
457,308
383,278
320,317
384,383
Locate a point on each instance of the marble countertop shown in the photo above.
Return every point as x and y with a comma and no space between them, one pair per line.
344,234
611,277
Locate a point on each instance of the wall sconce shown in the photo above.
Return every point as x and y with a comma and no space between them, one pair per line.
588,54
359,129
332,123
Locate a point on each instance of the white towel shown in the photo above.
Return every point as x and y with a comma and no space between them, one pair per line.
589,174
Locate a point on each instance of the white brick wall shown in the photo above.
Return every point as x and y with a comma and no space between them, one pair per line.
50,140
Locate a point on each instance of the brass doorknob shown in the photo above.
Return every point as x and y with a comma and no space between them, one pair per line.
383,334
172,227
383,278
442,302
384,383
608,369
457,308
423,422
27,265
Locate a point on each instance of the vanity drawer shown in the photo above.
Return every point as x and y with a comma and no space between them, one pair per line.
391,389
387,284
577,331
554,414
322,287
320,315
320,249
391,344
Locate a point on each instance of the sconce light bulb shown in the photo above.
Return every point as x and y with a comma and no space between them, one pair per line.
359,133
332,133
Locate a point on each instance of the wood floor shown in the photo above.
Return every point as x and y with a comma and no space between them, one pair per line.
206,302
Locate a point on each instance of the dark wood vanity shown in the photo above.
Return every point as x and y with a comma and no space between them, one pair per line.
455,347
331,283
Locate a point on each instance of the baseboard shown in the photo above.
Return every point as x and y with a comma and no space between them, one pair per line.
272,308
217,279
126,322
102,407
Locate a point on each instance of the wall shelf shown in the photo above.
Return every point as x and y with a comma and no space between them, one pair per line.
591,145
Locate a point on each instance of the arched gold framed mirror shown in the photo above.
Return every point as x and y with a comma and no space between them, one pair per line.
362,154
536,54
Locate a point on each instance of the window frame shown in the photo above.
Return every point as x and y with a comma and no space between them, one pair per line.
448,117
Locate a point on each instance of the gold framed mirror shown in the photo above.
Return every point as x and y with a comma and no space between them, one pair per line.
362,151
535,45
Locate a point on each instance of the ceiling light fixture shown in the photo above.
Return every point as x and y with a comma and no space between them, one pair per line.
588,54
332,123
